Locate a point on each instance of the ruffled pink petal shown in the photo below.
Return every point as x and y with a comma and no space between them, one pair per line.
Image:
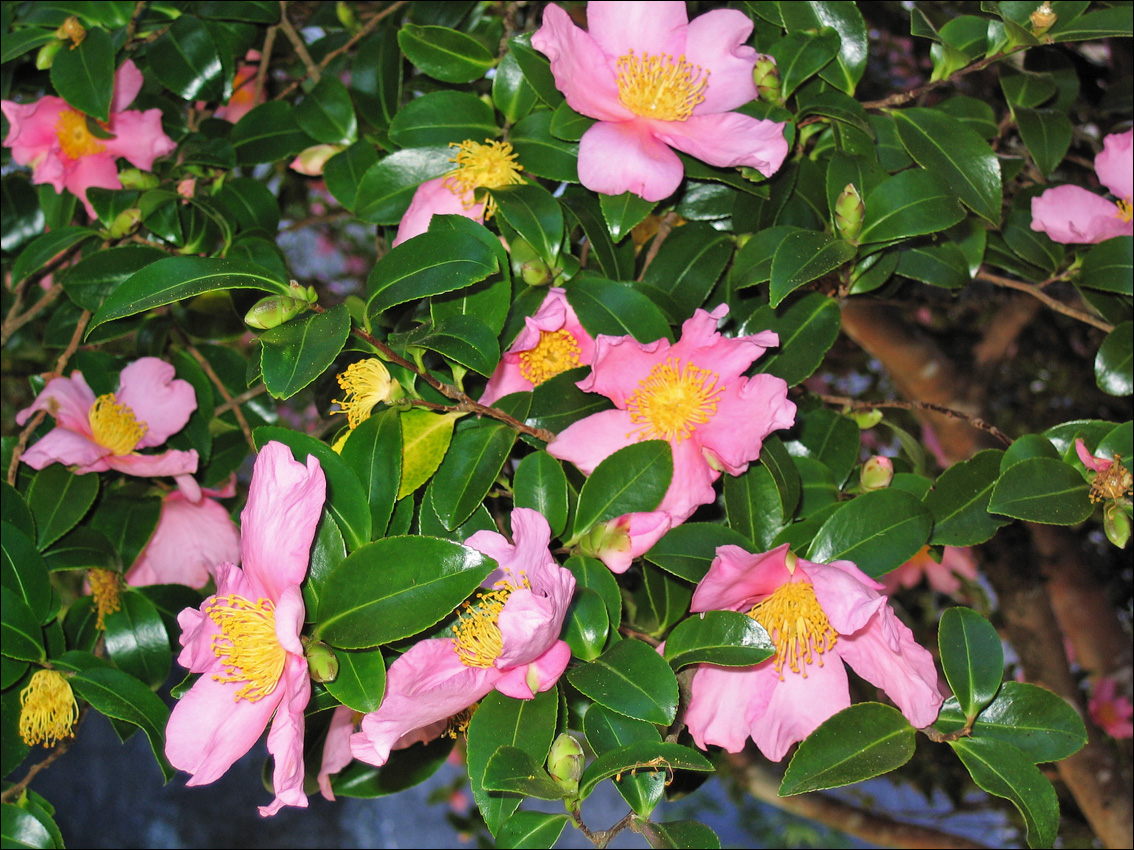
127,84
704,345
847,595
285,501
432,198
1115,164
69,400
620,364
289,619
139,138
285,740
68,448
654,28
191,540
583,72
722,701
537,676
799,705
336,749
1071,214
590,441
198,629
692,482
737,579
172,462
626,157
748,411
189,490
530,621
715,41
150,388
97,170
33,128
725,139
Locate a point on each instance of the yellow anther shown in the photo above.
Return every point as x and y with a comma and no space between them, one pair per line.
75,138
489,166
247,645
556,352
105,589
459,723
365,383
673,400
114,425
477,639
1112,483
1125,210
798,626
660,86
48,710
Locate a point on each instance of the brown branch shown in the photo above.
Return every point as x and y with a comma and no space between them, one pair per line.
297,43
914,93
14,323
975,421
223,390
235,402
265,61
1053,303
14,320
11,793
664,230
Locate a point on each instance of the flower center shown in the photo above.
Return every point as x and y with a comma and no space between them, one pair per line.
1114,482
488,166
74,137
114,425
798,626
247,645
477,638
47,709
660,86
671,401
104,587
556,352
1125,210
365,383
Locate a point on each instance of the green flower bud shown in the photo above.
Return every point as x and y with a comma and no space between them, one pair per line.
535,272
565,763
849,210
1116,524
46,56
126,223
322,663
346,16
135,178
767,80
866,419
876,473
273,311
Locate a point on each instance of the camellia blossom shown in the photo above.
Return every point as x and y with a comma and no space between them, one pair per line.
655,81
244,639
98,434
817,615
1074,214
690,393
552,341
945,577
489,166
508,640
57,141
1111,711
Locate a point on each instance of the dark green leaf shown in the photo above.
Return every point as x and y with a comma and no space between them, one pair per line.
136,640
1047,134
593,574
541,153
850,63
326,113
83,74
682,834
127,521
531,830
361,680
1098,24
828,437
688,264
802,257
15,510
376,77
374,451
634,478
24,571
267,134
515,770
443,118
959,501
607,307
624,212
912,203
96,277
425,265
753,506
971,657
511,93
587,625
404,769
22,637
1113,370
20,828
879,531
1043,490
641,755
541,485
19,42
186,60
297,352
536,69
941,265
1109,266
688,550
801,55
558,402
632,679
615,260
43,249
475,457
724,638
807,328
343,172
608,730
445,54
532,212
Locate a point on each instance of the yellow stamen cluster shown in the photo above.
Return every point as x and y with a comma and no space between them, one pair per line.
556,352
365,383
247,645
798,626
673,400
75,138
459,722
477,638
105,589
489,166
1112,483
114,425
48,710
1125,210
660,86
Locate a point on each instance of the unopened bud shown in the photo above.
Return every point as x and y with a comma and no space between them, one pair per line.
565,763
1116,524
876,473
46,56
1043,18
322,663
135,178
849,210
535,272
312,160
607,538
126,223
73,31
866,419
767,80
273,311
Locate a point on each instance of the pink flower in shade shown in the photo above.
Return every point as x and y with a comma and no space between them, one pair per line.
507,640
194,535
956,563
1074,214
1110,711
243,98
491,165
244,639
818,616
690,393
56,141
97,434
655,81
551,342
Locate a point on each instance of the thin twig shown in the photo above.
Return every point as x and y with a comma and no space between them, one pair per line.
14,320
664,230
225,394
1053,303
297,43
265,61
132,26
14,791
976,422
14,323
238,400
906,96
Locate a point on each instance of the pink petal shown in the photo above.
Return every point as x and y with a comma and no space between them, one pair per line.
127,84
582,71
289,619
692,482
170,462
33,130
848,596
69,400
1071,214
1115,164
748,411
432,198
737,579
654,28
148,386
722,700
97,170
198,629
630,536
626,157
68,448
590,441
702,344
716,42
726,139
1089,460
190,541
542,672
139,138
336,749
799,705
620,364
285,741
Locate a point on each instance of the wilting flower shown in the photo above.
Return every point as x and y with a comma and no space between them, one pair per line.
551,342
1111,480
818,615
945,577
48,710
489,166
1074,214
244,639
97,434
1111,711
508,639
690,393
58,142
655,81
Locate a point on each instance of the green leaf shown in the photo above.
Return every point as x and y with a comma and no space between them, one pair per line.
297,352
425,265
592,574
186,60
911,203
268,133
1113,370
20,828
376,77
1030,245
445,54
515,770
425,440
127,521
21,41
475,457
443,118
587,625
616,261
690,834
1047,135
136,640
879,531
326,113
801,55
361,681
622,213
251,203
632,679
971,657
22,637
15,510
91,280
24,572
84,74
684,270
959,501
955,153
396,587
802,257
725,638
1042,490
558,402
532,212
807,326
634,478
531,830
753,506
608,730
343,172
850,63
828,437
536,69
688,550
641,755
1095,25
511,92
43,249
859,742
374,451
606,307
540,484
941,265
541,153
1004,771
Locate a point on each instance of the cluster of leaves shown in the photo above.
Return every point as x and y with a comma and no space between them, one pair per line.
942,205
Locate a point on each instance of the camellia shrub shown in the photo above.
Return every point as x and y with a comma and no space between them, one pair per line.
586,387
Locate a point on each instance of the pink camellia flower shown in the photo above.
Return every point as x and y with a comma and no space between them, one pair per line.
619,541
97,434
194,535
489,166
690,393
818,615
1111,712
244,639
551,342
507,640
57,142
956,564
655,81
1074,214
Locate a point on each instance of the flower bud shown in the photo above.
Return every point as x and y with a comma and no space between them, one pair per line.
535,272
46,56
126,223
312,160
767,80
866,419
135,178
1116,524
1043,18
187,187
849,210
273,311
322,663
606,539
876,473
72,30
565,763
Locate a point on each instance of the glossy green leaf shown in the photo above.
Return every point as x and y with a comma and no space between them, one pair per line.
607,307
297,352
690,834
361,681
531,830
536,69
1114,372
404,769
865,740
326,114
836,105
268,133
343,172
622,213
374,451
911,203
425,265
971,657
253,11
21,41
801,55
959,501
1109,266
445,54
724,638
84,74
532,212
512,94
21,828
1027,446
1030,245
190,63
753,506
850,63
1047,135
632,679
513,769
828,437
660,602
1043,490
608,730
475,457
807,327
24,572
879,531
686,267
688,550
136,639
541,153
558,402
632,479
376,77
91,280
23,216
591,573
127,521
20,634
587,625
15,510
1094,25
396,587
941,264
615,260
802,257
43,249
641,755
540,484
251,203
443,118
